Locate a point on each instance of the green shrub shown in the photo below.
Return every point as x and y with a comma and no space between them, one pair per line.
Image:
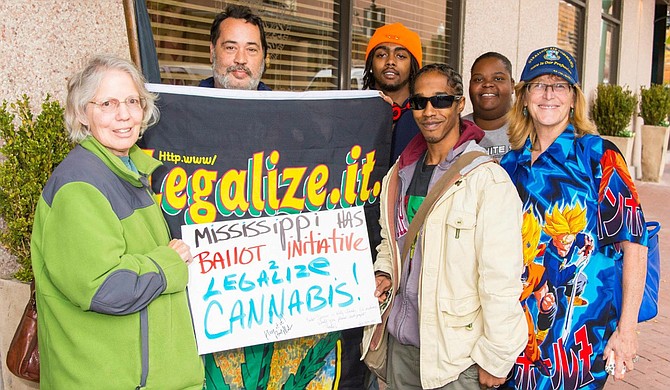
655,105
32,149
613,109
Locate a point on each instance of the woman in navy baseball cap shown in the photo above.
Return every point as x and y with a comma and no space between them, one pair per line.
578,194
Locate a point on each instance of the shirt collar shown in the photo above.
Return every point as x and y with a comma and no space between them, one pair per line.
209,83
559,150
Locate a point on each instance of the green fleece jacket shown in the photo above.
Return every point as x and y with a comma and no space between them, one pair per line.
111,296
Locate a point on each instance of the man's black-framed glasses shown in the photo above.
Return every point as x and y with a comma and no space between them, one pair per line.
437,101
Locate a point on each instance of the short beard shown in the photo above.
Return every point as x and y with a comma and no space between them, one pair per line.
435,140
226,80
381,86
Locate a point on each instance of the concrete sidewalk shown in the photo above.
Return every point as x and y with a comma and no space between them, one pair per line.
652,372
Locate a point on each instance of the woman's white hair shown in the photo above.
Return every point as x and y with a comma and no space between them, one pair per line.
82,87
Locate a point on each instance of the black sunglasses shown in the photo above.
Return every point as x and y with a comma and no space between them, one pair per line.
437,101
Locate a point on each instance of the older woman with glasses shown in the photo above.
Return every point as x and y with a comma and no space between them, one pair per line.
110,284
576,188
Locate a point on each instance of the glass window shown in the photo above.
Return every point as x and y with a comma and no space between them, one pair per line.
611,8
571,29
303,37
609,41
434,20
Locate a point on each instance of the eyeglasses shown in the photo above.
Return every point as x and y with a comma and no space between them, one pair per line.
540,88
437,101
133,103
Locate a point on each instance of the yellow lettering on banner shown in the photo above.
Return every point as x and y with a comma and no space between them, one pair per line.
202,183
293,175
366,171
203,196
232,191
256,181
351,175
174,189
273,181
314,187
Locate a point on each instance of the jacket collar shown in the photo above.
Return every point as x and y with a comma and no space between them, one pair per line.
559,150
417,146
143,162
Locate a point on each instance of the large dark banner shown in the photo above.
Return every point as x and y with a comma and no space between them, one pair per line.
242,154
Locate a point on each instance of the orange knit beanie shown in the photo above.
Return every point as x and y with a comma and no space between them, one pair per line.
399,34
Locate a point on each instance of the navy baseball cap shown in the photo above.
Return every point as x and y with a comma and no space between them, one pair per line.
550,60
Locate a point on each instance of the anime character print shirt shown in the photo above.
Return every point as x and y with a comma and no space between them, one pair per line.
579,204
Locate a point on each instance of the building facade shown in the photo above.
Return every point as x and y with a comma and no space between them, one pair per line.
320,44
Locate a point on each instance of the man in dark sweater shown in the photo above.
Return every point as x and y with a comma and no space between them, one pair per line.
392,58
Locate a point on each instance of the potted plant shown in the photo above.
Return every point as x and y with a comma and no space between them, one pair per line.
654,110
612,112
33,146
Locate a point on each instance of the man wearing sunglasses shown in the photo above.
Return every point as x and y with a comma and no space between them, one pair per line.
456,308
392,58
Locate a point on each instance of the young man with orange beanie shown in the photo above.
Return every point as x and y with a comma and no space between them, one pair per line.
392,58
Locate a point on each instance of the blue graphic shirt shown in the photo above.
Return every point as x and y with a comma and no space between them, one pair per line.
585,203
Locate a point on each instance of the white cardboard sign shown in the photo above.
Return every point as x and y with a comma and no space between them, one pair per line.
261,280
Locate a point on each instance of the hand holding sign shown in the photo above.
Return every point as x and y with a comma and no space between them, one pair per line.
183,250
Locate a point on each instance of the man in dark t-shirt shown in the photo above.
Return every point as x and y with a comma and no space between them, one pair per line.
392,58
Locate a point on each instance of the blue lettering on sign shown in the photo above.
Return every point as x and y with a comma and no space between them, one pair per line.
209,334
246,314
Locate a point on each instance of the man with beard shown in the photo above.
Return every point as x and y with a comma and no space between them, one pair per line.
491,89
237,50
392,58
